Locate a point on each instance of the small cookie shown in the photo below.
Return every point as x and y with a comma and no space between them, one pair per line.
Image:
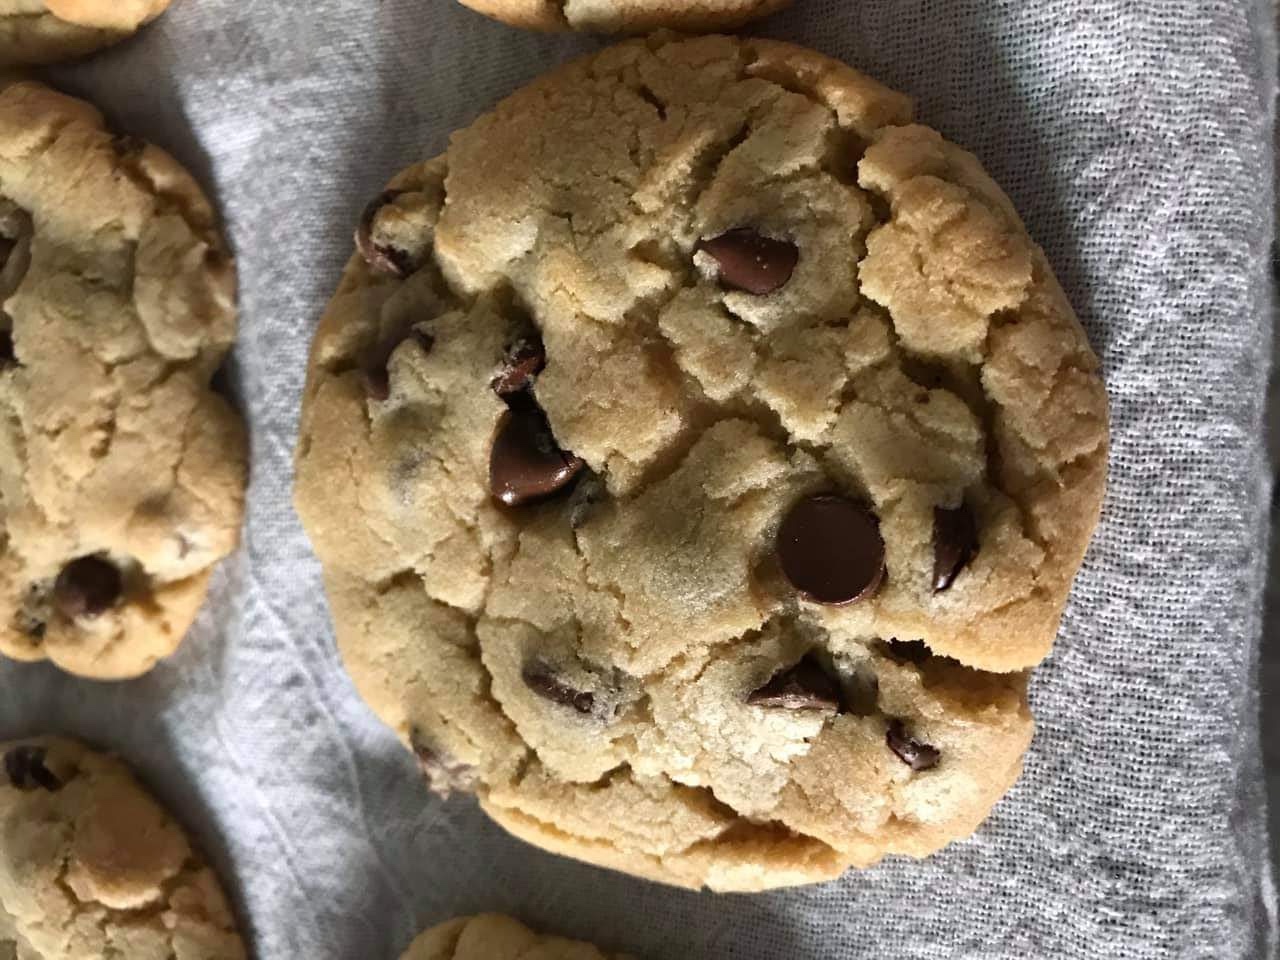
121,471
46,31
698,454
493,937
626,16
92,867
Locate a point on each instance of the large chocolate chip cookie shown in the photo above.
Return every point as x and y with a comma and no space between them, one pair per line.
699,452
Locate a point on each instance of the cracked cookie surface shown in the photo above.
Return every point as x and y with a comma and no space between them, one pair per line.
46,31
699,453
121,471
92,867
625,16
494,937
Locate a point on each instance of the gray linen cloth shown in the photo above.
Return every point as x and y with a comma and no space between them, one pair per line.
1134,136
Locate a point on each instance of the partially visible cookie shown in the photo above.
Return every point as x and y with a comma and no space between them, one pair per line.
625,16
494,937
46,31
91,867
121,470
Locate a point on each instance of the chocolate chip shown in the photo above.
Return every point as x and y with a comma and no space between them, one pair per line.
831,550
523,362
26,770
380,257
916,755
908,651
7,246
955,541
525,463
443,772
751,262
805,686
8,356
87,587
543,680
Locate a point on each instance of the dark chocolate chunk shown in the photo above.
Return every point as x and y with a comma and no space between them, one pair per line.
525,463
8,356
805,686
87,587
751,262
955,541
380,257
26,770
523,362
543,680
916,755
831,550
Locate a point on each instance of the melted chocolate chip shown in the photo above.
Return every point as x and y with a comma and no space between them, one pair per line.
380,257
8,356
443,772
525,464
7,246
916,755
908,651
543,680
955,541
752,262
87,587
26,770
831,550
523,362
805,686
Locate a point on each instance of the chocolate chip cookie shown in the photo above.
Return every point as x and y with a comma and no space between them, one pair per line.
121,471
92,867
46,31
494,937
699,453
629,16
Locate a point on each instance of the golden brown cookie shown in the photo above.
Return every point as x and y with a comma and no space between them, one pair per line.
494,937
46,31
699,453
91,867
121,471
625,16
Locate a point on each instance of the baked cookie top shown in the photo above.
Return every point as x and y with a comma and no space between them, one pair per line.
121,471
625,16
92,867
697,454
46,31
494,937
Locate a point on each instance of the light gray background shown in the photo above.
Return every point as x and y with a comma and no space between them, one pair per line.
1135,137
